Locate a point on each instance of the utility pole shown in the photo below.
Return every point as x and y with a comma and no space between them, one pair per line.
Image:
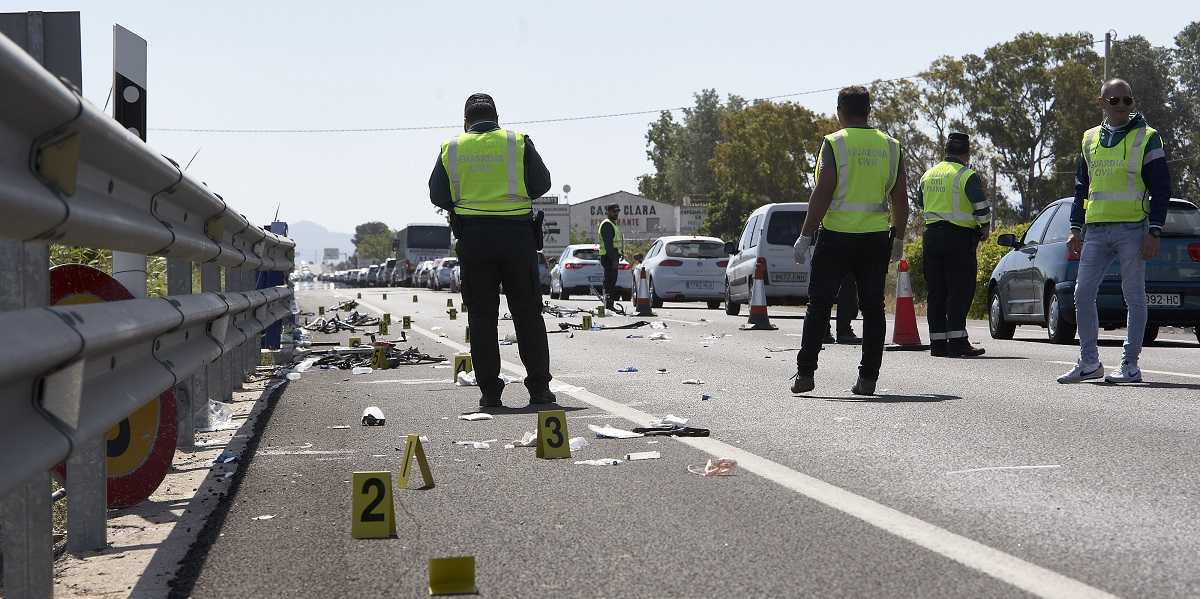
1109,35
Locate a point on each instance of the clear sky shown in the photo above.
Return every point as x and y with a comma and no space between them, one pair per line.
304,64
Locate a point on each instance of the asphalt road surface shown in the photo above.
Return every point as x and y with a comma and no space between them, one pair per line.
980,478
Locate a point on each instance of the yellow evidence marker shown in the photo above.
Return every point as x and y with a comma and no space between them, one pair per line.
385,296
383,327
454,314
450,303
406,323
587,322
371,511
355,341
413,449
387,317
320,310
552,435
462,364
452,576
379,356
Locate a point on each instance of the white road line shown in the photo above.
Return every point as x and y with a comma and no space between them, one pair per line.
989,468
1024,575
405,381
687,322
303,452
1184,374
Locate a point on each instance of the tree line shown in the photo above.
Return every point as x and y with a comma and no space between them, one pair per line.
1025,102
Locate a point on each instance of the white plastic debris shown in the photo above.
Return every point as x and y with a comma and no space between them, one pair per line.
265,517
669,420
475,416
361,370
476,444
373,416
693,382
612,432
305,365
600,462
527,439
340,427
659,337
658,324
718,467
220,417
642,455
465,379
292,376
577,443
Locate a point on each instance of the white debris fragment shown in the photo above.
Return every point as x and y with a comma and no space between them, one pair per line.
600,462
612,432
474,416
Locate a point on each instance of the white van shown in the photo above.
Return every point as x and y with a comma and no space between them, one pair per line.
768,237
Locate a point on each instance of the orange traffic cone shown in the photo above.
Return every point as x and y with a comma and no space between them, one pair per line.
642,301
905,336
757,321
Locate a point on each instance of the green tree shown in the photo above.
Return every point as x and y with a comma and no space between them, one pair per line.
681,152
374,249
893,112
368,229
1184,100
1031,98
766,154
662,139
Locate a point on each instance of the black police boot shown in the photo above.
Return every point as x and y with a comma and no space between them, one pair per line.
864,387
848,337
542,396
960,348
938,349
491,397
803,383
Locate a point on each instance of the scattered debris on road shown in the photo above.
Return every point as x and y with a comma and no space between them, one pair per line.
612,432
600,462
577,443
474,416
265,517
476,444
692,382
373,416
718,467
628,369
642,455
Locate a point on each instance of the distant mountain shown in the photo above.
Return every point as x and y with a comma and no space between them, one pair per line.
312,239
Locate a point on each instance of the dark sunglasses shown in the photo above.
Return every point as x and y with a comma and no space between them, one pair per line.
1113,100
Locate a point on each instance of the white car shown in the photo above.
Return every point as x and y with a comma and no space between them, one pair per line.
685,268
767,239
442,273
421,276
579,272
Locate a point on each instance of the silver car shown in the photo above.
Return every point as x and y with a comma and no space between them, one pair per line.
683,268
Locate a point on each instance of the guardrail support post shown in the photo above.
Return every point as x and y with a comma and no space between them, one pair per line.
254,348
87,499
179,282
227,360
210,281
25,522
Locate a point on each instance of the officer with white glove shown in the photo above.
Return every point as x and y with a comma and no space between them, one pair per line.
859,201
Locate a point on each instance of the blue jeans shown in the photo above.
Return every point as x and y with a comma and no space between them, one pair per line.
1102,244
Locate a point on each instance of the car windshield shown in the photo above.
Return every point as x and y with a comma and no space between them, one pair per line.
1182,221
586,254
696,249
784,227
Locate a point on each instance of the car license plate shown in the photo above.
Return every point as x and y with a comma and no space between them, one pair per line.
595,279
789,277
698,285
1171,300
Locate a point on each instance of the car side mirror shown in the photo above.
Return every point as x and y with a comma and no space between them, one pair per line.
1008,240
730,250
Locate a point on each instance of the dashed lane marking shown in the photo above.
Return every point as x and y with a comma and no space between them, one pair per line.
1007,568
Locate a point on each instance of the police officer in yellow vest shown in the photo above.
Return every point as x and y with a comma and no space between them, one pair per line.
860,182
957,215
486,179
1122,162
608,237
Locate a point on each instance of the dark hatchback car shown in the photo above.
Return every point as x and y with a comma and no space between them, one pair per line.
1034,283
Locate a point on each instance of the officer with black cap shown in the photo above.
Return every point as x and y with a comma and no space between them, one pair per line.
957,215
486,179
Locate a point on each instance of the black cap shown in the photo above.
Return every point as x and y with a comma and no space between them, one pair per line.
612,206
478,102
958,143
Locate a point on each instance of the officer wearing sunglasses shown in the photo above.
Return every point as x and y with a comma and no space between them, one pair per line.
1122,163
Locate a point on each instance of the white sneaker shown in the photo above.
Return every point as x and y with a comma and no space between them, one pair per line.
1082,373
1125,374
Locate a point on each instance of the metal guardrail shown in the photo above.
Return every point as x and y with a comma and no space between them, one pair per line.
72,175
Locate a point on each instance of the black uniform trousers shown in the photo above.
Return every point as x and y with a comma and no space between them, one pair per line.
492,252
609,262
865,257
848,305
949,266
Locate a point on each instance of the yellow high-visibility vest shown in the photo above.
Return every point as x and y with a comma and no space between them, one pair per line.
944,194
1116,192
618,242
867,161
487,173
